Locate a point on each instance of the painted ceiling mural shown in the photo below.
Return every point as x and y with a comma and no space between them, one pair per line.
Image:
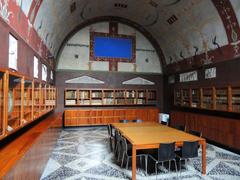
186,31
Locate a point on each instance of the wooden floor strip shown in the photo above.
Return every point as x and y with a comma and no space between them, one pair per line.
14,151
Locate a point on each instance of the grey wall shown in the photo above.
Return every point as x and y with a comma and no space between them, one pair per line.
112,80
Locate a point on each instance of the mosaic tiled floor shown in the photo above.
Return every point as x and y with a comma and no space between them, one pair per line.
83,153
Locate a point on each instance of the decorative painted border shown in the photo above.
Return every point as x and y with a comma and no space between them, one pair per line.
93,58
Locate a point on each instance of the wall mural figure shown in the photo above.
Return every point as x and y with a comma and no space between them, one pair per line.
4,10
153,16
207,59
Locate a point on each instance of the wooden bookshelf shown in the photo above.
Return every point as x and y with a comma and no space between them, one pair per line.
109,97
151,97
15,108
177,97
185,97
224,98
235,99
22,100
2,100
195,98
37,99
28,101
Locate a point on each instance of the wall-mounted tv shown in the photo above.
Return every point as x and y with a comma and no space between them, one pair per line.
109,47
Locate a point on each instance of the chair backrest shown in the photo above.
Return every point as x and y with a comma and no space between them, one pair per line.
137,120
117,136
124,144
109,130
166,151
195,133
123,121
180,127
190,149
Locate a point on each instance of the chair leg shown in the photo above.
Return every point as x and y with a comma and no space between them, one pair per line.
169,165
119,155
175,164
123,160
127,162
146,164
156,169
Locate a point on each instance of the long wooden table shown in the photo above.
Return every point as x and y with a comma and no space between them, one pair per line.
150,135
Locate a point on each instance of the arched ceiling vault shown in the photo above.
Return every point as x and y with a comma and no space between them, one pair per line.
185,31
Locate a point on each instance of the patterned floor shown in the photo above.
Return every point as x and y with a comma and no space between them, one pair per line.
83,153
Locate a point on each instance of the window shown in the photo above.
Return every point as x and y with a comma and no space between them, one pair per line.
51,75
13,52
44,72
35,70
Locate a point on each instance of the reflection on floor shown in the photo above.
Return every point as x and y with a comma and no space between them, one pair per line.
83,153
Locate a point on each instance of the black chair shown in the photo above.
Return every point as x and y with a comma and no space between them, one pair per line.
195,133
124,121
137,120
166,152
180,127
110,136
127,153
164,123
117,139
189,150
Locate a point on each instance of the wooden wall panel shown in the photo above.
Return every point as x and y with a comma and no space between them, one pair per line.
79,117
225,131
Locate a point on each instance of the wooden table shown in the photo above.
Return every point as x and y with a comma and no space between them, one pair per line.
150,135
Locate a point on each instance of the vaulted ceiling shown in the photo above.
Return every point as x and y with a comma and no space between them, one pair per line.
182,28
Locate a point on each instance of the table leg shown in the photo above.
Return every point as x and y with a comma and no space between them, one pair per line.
134,162
204,164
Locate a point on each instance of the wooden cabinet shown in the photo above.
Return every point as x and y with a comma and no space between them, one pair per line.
109,97
222,130
224,98
22,100
79,117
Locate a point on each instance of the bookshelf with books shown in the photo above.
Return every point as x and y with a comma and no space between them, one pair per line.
186,97
130,97
196,98
141,97
177,97
152,97
120,97
207,98
110,97
84,97
71,97
235,99
222,99
97,97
